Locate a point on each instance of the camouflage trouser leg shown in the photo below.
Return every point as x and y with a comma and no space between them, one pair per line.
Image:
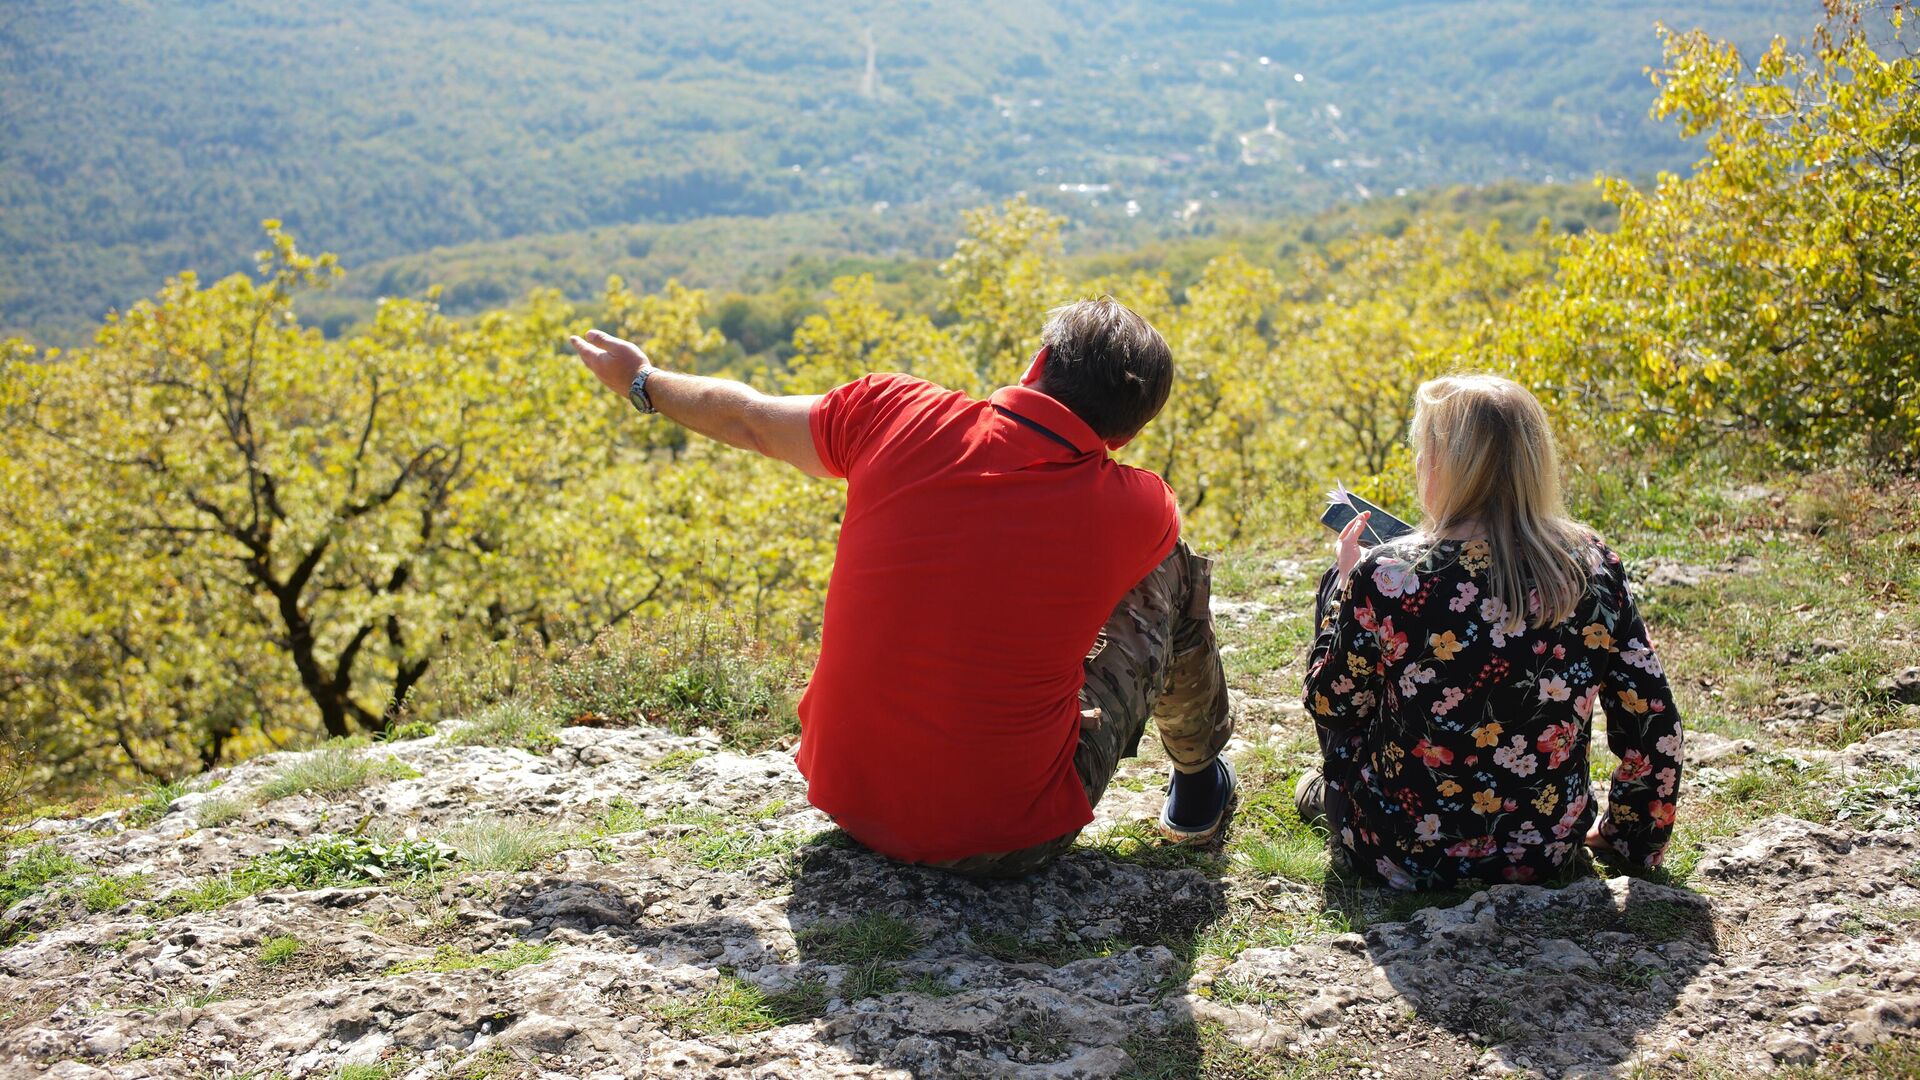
1155,658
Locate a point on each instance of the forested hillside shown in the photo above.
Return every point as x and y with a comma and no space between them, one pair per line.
137,140
226,531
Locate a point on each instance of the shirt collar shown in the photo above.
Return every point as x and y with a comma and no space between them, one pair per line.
1040,409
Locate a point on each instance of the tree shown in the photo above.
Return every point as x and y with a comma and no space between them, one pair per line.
1771,295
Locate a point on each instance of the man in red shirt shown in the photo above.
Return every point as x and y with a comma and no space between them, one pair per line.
1008,604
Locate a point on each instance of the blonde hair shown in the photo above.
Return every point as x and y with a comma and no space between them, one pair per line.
1489,456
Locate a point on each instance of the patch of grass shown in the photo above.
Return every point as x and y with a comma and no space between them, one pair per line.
510,723
931,986
1040,1034
219,811
1244,992
484,1066
1879,802
731,849
1270,840
155,801
501,843
869,979
1137,841
383,1070
1243,929
106,892
39,867
412,729
1769,784
871,937
804,1000
622,816
325,862
278,950
677,760
450,958
682,674
331,770
153,1046
733,1006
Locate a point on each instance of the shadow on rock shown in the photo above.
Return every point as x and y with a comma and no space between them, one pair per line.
1555,979
1060,971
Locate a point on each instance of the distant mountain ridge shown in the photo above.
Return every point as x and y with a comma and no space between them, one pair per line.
144,139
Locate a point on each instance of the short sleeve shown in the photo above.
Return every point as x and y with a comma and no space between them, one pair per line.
849,421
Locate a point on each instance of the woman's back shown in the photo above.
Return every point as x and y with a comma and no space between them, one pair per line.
1456,737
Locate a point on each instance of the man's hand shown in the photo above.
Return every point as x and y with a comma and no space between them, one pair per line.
612,361
1347,552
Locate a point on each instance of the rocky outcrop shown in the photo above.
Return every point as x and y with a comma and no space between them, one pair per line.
637,904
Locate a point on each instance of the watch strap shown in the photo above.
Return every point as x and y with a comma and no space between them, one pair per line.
637,391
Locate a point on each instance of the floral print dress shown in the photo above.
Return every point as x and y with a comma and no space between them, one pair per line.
1456,749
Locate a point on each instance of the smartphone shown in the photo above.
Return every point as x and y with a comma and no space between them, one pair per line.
1380,528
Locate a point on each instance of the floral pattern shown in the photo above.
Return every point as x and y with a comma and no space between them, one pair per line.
1456,747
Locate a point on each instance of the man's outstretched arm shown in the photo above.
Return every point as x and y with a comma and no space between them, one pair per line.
732,412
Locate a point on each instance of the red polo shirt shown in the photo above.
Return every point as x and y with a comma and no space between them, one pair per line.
985,543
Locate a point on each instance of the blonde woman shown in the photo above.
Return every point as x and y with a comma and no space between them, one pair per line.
1456,671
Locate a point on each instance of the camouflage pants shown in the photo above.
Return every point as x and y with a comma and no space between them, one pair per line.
1155,658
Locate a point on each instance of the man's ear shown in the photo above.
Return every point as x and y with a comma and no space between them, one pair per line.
1036,369
1115,444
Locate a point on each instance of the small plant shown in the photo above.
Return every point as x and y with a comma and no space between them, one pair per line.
931,986
871,937
41,866
733,1006
109,891
327,862
1243,992
155,802
804,1000
1040,1035
331,770
513,722
220,810
278,950
154,1046
412,729
499,843
686,673
869,978
730,849
677,760
383,1070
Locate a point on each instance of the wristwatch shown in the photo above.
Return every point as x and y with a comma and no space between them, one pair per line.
637,393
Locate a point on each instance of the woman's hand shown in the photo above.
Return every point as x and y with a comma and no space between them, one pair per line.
1347,552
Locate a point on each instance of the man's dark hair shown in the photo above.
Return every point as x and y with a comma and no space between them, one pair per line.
1107,364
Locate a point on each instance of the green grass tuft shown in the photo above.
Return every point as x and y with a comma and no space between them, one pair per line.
872,937
500,843
510,723
220,810
105,892
331,770
278,950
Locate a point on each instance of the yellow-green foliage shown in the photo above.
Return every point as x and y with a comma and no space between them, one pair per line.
223,530
1771,295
